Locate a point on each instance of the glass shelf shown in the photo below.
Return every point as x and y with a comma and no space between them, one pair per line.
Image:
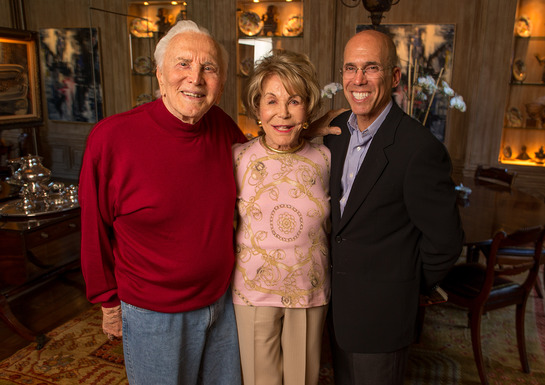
526,84
524,128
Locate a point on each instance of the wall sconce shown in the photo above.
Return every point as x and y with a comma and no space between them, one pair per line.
376,7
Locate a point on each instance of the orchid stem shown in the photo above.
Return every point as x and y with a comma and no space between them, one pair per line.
432,96
409,84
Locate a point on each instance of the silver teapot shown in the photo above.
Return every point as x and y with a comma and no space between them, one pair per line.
32,176
37,196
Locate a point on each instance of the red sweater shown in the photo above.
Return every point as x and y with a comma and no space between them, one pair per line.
157,200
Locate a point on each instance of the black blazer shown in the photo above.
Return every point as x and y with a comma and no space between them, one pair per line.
399,235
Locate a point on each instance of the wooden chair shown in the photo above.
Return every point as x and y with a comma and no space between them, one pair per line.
482,288
518,255
495,175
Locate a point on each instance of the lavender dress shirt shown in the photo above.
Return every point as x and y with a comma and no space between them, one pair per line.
357,149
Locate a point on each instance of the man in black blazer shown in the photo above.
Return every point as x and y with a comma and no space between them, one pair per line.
396,229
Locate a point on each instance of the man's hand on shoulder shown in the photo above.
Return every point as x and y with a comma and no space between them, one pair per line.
321,126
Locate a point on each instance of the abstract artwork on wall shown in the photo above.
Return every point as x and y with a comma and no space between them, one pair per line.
71,71
428,48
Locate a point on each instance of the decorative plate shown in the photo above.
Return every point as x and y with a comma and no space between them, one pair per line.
246,66
250,23
507,152
523,27
142,65
293,27
514,117
143,98
519,70
142,28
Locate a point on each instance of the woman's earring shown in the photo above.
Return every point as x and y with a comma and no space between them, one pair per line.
260,125
305,126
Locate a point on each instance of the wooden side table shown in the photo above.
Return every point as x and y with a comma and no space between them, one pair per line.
22,270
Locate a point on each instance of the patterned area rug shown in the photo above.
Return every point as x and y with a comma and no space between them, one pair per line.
79,353
71,356
445,354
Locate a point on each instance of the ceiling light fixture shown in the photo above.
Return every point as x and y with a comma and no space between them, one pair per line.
375,7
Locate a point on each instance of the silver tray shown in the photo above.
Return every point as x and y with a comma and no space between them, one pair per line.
13,209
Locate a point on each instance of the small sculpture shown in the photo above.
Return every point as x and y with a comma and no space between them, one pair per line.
536,113
182,15
540,155
163,24
270,24
523,155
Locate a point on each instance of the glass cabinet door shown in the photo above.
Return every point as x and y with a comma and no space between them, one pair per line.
148,21
261,27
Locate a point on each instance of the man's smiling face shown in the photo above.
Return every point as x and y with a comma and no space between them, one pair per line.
368,95
191,76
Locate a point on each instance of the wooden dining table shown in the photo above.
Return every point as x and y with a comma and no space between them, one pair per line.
490,208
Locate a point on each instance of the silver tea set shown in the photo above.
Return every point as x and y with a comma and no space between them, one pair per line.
37,196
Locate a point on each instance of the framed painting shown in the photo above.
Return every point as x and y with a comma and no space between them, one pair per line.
425,53
71,68
20,94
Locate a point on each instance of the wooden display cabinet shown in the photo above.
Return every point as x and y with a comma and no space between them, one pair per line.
261,27
148,21
523,138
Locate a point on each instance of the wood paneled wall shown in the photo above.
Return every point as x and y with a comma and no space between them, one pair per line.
483,46
5,14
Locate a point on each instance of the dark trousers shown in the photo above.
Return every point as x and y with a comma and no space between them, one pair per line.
368,369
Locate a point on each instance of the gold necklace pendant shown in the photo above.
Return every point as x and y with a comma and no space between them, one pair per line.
291,150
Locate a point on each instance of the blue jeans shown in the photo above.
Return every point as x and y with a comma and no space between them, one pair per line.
190,348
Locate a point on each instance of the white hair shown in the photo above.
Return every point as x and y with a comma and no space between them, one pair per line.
184,26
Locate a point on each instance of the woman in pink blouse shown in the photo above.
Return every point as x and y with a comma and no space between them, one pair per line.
281,282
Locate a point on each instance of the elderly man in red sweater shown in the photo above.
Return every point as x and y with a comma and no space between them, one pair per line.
157,197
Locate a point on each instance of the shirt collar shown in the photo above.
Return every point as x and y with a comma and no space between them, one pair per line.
373,128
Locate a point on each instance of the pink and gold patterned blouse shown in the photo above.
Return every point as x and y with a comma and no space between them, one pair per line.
282,256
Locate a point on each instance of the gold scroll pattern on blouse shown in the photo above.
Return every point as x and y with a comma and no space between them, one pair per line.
279,271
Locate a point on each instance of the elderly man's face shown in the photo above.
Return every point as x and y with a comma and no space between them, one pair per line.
190,79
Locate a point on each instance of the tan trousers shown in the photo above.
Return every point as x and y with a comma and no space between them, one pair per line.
280,346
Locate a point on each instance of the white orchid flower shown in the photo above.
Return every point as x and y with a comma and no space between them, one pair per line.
331,89
458,103
447,90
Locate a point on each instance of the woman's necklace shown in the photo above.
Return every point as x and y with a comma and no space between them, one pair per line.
291,150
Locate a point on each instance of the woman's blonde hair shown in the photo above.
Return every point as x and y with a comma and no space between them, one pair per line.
296,73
